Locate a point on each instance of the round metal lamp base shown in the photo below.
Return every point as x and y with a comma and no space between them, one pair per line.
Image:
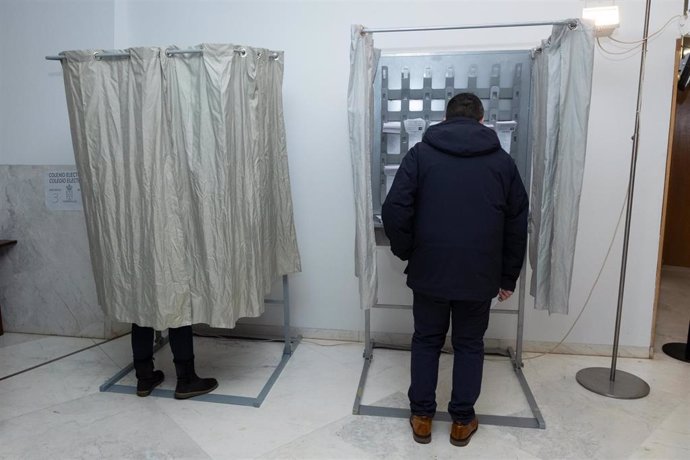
677,350
626,386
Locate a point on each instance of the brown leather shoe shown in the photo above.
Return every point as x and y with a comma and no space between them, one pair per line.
460,434
421,428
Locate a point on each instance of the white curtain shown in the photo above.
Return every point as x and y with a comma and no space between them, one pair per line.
360,108
561,92
185,182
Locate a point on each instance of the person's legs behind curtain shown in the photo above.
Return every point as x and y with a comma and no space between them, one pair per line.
142,353
182,346
188,383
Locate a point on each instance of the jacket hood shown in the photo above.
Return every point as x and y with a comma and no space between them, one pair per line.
462,137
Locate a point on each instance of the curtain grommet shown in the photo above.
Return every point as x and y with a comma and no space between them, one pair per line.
243,52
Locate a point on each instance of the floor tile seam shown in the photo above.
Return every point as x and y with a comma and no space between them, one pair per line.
680,409
170,419
324,424
55,362
668,431
48,407
38,337
162,411
304,436
547,407
36,363
664,444
331,362
66,357
343,366
42,348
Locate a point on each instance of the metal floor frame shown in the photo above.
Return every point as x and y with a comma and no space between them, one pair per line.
536,421
291,343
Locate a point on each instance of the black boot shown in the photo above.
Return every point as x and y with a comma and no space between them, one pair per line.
189,384
147,378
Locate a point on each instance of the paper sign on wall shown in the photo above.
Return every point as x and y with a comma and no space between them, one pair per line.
63,192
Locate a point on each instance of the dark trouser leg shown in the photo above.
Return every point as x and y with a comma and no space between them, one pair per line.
142,343
181,343
142,351
431,322
470,320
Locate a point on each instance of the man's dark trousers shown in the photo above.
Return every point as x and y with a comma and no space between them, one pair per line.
432,317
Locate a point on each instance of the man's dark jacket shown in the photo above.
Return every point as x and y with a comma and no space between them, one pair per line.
457,210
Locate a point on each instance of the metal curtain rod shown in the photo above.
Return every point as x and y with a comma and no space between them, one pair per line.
169,52
570,22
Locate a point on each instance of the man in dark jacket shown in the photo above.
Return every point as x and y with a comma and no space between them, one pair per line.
457,211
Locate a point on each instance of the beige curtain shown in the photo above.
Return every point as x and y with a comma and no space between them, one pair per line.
360,109
185,181
561,93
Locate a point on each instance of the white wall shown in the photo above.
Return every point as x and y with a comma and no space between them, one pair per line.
315,38
34,128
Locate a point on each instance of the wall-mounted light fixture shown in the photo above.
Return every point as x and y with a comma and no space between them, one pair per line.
606,18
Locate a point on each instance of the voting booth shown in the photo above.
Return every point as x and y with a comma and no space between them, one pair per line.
411,92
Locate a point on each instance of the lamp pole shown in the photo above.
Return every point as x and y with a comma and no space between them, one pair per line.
601,380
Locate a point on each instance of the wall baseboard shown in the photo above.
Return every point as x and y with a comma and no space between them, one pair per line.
398,339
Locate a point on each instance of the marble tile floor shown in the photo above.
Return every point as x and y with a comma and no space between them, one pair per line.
56,411
35,349
673,312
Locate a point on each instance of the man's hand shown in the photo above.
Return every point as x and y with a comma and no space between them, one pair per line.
504,295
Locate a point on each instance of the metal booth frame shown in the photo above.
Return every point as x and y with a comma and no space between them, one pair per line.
514,354
111,385
290,345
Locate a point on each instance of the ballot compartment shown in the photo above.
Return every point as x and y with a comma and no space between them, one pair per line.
411,92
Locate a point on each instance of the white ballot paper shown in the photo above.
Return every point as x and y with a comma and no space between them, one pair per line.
391,127
505,130
415,128
390,171
392,141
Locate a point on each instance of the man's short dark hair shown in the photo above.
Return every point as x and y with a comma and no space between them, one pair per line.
465,105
